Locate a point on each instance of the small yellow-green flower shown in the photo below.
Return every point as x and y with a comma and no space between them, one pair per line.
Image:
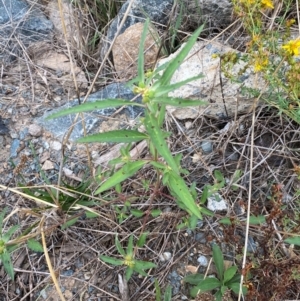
267,4
290,22
129,261
292,47
260,64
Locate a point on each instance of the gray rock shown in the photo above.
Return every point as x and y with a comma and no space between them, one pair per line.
23,133
20,22
3,127
14,148
156,10
201,237
35,130
207,146
252,245
59,126
212,13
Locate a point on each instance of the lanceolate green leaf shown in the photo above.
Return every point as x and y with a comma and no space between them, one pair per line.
92,106
209,284
295,240
163,90
118,136
257,220
35,245
159,142
168,293
193,278
144,265
178,187
128,273
229,273
69,223
218,260
142,239
10,232
176,62
141,73
2,214
161,115
157,290
7,263
119,247
111,260
129,250
127,171
235,287
179,102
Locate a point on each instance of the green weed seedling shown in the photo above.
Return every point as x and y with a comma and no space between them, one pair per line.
4,249
167,295
227,279
154,88
128,260
7,246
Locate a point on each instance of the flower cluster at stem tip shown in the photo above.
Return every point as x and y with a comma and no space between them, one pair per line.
264,4
292,47
128,261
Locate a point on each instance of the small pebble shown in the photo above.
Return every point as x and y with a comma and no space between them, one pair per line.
201,237
166,256
14,135
46,144
23,133
48,165
35,130
14,148
202,261
55,145
207,146
87,275
216,203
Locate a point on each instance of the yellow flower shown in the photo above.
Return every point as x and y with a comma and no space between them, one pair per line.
292,47
290,22
260,64
129,261
267,4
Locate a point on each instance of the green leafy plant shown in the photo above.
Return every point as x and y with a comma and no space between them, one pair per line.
167,294
154,88
227,279
7,246
5,250
132,264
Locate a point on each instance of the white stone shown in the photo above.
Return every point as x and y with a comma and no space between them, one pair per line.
216,203
48,165
166,256
55,145
202,261
35,130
